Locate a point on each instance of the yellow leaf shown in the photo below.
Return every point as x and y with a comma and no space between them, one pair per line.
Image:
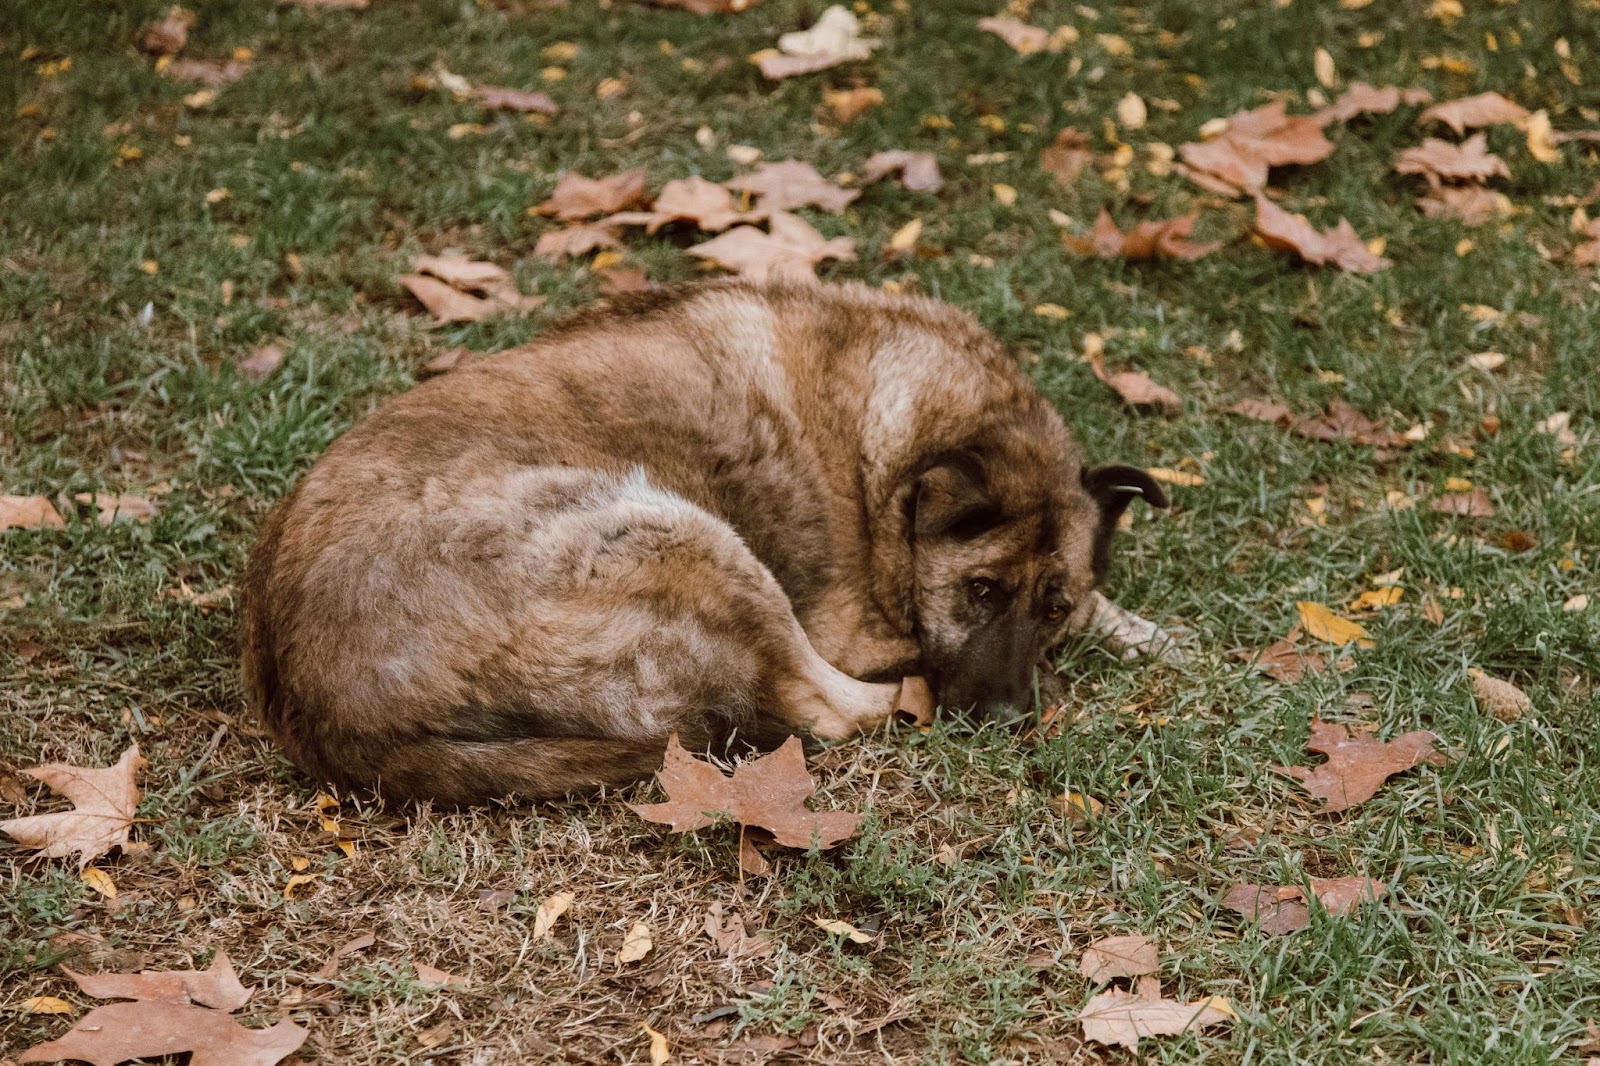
1131,112
1175,477
1077,807
216,196
659,1054
1322,65
295,882
844,929
636,945
1457,484
1540,144
45,1005
325,801
551,908
605,260
300,863
1004,194
1372,599
1322,624
100,881
1055,311
905,238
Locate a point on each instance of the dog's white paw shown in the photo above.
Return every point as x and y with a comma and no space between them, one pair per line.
1132,636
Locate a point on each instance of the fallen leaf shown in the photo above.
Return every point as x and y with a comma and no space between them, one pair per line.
1170,476
117,1032
1261,410
919,171
731,937
29,512
337,5
1118,1017
1440,161
614,281
168,36
1320,623
1502,699
1363,99
768,793
445,303
1119,956
104,800
1342,422
1132,112
790,251
1066,157
1472,112
705,203
551,908
636,945
330,968
1541,138
848,104
834,39
296,882
46,1005
706,7
1373,599
1474,504
499,98
1357,764
577,197
1282,909
575,240
1166,238
1340,246
1136,388
111,508
260,363
751,861
659,1053
433,977
1023,38
206,72
1287,662
1472,204
790,184
1237,161
844,929
216,986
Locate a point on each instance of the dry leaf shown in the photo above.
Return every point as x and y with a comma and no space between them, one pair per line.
614,281
330,968
699,7
1440,161
705,203
576,240
731,937
1320,623
636,945
1166,238
844,929
834,39
1344,423
104,800
445,303
260,363
112,508
1363,99
1237,161
499,98
1023,38
216,986
1541,138
1168,475
790,184
1067,156
1471,112
848,104
1136,388
1500,698
433,977
550,909
1119,956
790,252
117,1032
1262,410
576,197
1281,909
1131,112
1287,662
919,171
46,1005
1340,246
336,5
167,37
29,512
1118,1017
659,1053
768,792
1474,504
204,71
1357,764
1472,204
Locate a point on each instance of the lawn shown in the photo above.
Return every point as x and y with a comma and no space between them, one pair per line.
149,244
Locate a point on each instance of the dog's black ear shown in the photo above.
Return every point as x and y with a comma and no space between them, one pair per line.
1113,488
952,499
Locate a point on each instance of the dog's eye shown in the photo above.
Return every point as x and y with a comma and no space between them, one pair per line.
1057,613
982,591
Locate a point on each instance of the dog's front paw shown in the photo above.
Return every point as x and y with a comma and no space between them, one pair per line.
1132,636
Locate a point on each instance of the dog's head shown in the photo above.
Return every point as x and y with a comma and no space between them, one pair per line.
1010,536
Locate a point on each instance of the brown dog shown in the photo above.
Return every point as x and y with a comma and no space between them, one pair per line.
732,511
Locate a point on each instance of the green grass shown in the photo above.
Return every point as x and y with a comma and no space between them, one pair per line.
339,169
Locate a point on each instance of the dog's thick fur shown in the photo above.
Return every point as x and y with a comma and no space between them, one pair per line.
711,512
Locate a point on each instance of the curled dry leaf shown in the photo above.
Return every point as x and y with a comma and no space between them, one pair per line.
1471,204
104,800
1166,238
730,936
1119,956
330,967
1472,504
769,793
1472,112
1118,1017
216,986
576,196
1024,39
168,36
636,945
790,251
660,1053
834,39
1357,763
433,977
1363,99
1282,909
1500,698
844,929
919,171
1341,246
29,512
1440,161
1068,156
576,240
1135,387
848,104
1236,162
118,1032
499,98
551,908
790,184
708,205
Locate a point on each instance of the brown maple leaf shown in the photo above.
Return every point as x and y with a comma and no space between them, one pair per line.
29,512
1119,956
1472,112
1165,238
576,240
215,986
834,39
919,171
1471,204
1118,1017
448,292
1363,99
1357,763
168,36
1237,161
1286,661
103,799
1282,909
1135,387
1340,246
1440,161
705,203
790,251
1262,410
790,184
117,1032
1067,156
576,196
768,793
499,98
1344,423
